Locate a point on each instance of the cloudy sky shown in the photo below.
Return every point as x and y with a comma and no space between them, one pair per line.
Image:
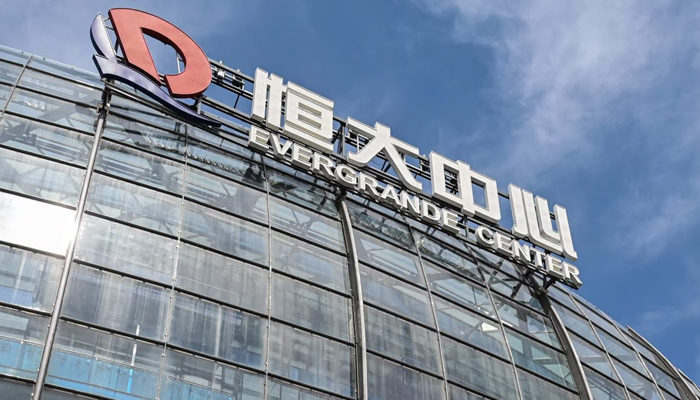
591,104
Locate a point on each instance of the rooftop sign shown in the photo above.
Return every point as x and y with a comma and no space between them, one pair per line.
298,126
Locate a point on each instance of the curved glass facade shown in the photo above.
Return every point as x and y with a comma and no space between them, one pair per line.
190,267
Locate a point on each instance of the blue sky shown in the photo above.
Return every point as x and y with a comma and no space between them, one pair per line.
591,104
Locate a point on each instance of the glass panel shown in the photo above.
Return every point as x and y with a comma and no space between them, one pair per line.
664,380
593,357
9,72
470,327
562,297
444,256
13,390
457,393
138,166
402,341
49,109
515,290
636,382
602,322
310,263
187,377
296,174
145,136
225,233
22,337
602,388
41,178
388,258
4,95
221,278
311,307
526,320
100,363
478,371
645,351
226,195
144,112
387,228
221,143
222,332
622,352
575,323
312,360
65,71
459,289
35,224
45,140
391,381
540,359
386,292
134,204
116,302
302,193
454,240
126,249
28,279
45,83
534,388
216,160
278,390
10,54
306,224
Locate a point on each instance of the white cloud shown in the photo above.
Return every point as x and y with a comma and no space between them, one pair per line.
576,71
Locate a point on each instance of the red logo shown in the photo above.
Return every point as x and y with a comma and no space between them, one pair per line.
139,69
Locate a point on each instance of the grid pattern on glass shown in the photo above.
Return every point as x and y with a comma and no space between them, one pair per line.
526,320
306,224
540,359
593,357
603,388
28,279
22,337
386,228
388,258
389,381
51,109
534,388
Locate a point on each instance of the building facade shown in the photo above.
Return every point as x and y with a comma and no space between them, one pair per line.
143,257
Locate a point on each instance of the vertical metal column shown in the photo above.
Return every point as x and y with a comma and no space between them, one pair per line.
358,303
103,110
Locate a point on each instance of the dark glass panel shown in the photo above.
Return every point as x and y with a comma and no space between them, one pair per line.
391,381
28,279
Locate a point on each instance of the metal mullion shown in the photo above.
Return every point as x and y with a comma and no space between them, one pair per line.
14,86
302,239
57,97
50,123
311,283
25,309
309,387
77,392
311,331
41,156
433,309
375,235
32,250
70,252
686,391
39,199
266,368
123,274
507,345
130,224
176,258
406,365
111,331
357,301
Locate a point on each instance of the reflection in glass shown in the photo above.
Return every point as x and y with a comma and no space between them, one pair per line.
534,388
188,377
387,257
139,166
312,360
65,71
603,388
225,195
636,382
145,136
385,227
448,258
278,390
50,109
389,293
126,249
539,358
45,83
459,289
28,279
40,178
621,351
45,140
35,224
12,390
391,381
593,357
470,327
225,279
215,160
22,337
313,264
401,340
576,323
478,371
664,380
526,320
457,393
309,225
225,233
134,204
116,302
302,193
223,332
311,307
9,72
96,362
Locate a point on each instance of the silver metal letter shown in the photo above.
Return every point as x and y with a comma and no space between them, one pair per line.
268,108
